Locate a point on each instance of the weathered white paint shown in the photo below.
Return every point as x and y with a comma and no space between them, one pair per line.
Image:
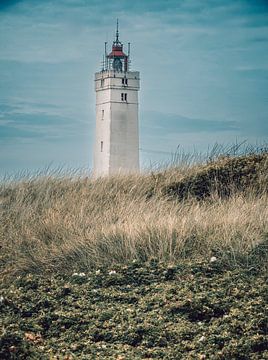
117,135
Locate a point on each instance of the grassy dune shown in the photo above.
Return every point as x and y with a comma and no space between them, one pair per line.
171,264
218,208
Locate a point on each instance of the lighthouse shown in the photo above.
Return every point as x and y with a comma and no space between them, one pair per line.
116,148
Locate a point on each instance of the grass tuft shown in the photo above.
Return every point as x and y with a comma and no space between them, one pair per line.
215,208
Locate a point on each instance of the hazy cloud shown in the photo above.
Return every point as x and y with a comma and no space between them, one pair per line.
32,121
5,4
164,124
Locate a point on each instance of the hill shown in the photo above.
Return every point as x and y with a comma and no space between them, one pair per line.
169,264
52,223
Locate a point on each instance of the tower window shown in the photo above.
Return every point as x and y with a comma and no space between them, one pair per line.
102,114
124,81
102,83
122,96
117,64
101,146
125,96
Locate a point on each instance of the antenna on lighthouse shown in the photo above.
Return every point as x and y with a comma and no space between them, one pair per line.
128,57
103,63
117,32
105,52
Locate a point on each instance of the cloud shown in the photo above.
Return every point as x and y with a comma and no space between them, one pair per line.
6,4
55,32
254,72
22,107
9,132
165,124
33,121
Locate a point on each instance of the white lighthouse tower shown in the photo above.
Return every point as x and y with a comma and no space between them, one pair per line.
117,134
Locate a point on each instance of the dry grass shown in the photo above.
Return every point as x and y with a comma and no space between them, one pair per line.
58,223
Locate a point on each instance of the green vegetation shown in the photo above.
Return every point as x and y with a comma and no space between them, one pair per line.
171,264
194,310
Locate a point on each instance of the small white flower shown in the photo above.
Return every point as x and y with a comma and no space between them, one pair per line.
202,338
79,274
213,259
200,323
95,291
112,272
1,299
98,272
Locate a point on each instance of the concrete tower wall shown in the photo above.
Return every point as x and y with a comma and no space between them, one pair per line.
117,134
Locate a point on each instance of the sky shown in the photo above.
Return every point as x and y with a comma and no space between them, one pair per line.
203,68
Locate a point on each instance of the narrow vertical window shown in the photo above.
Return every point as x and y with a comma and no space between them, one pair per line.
122,96
125,96
102,82
101,146
102,114
124,81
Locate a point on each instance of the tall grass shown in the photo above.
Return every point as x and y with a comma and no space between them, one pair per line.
62,223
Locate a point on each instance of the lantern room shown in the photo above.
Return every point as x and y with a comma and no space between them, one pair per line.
117,60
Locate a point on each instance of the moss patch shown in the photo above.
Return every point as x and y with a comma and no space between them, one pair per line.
197,310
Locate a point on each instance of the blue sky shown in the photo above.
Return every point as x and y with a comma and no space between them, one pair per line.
203,64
